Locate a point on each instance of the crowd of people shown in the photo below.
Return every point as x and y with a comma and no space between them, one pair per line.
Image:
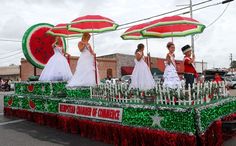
5,85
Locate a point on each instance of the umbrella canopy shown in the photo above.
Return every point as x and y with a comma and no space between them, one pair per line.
134,32
62,31
174,26
93,24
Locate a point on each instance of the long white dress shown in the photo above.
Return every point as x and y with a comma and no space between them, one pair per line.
142,78
85,71
57,68
171,78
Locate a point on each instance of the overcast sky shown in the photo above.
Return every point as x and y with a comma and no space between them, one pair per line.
214,45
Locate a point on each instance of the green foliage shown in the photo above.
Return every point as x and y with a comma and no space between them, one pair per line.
233,64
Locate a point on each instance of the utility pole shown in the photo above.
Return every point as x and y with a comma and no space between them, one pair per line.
191,15
231,59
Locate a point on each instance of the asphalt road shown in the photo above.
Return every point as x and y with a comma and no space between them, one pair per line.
19,132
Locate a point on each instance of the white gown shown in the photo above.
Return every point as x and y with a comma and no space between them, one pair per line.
171,78
57,68
85,71
141,76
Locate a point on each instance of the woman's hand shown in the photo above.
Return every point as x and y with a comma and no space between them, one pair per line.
66,54
91,50
81,46
92,53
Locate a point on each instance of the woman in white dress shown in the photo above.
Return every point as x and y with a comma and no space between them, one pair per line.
141,78
85,70
57,67
171,78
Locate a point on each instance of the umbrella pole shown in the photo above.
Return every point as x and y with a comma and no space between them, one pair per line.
147,46
172,39
67,46
95,62
93,40
148,55
95,65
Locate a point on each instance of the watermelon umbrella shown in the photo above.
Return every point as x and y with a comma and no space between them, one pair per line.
173,26
62,31
134,33
92,24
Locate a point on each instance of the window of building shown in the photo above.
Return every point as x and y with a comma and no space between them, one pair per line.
109,73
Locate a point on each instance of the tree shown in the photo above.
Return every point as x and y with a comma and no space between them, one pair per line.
233,64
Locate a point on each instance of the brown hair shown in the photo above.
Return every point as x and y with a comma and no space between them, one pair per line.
85,35
139,47
58,41
169,44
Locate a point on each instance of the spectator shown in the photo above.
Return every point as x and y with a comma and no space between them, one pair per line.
217,78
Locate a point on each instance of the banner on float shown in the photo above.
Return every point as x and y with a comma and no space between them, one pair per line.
95,112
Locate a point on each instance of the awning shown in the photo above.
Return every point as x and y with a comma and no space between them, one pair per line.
126,70
156,71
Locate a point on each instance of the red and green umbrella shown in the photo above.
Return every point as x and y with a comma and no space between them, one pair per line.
92,24
62,31
173,26
134,32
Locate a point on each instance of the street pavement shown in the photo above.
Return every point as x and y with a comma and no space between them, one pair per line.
19,132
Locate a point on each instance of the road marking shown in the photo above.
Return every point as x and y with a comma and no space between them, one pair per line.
11,122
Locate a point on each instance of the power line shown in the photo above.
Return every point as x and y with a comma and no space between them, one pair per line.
12,59
10,40
218,16
13,51
183,13
8,53
176,10
5,57
148,18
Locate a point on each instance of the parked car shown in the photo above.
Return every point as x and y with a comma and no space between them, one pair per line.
158,79
209,75
112,81
5,86
232,83
126,79
109,81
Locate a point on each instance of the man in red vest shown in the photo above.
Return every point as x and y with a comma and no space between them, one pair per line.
189,69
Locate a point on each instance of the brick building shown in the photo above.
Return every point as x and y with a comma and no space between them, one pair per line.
114,65
11,72
105,66
125,64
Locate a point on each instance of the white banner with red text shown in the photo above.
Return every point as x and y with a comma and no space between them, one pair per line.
95,112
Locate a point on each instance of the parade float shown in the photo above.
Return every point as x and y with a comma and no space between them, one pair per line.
115,114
